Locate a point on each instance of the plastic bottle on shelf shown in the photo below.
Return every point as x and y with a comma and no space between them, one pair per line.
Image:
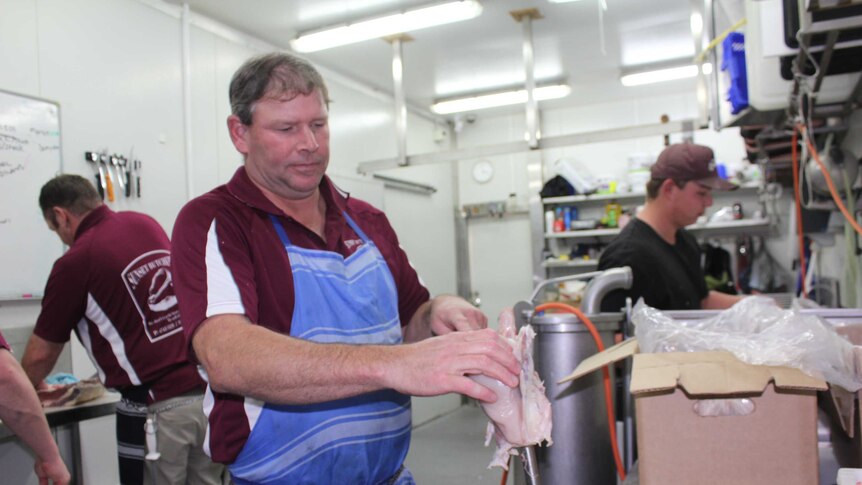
549,221
613,210
558,220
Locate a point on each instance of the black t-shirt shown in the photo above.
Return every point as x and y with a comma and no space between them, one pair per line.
668,277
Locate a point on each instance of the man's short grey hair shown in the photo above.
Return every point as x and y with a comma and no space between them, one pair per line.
273,74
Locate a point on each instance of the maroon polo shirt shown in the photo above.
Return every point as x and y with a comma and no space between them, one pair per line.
113,288
228,259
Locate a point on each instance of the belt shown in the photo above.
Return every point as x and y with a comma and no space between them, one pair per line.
175,402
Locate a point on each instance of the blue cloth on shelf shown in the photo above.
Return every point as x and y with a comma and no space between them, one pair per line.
61,378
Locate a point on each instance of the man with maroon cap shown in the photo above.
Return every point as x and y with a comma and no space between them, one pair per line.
664,257
113,289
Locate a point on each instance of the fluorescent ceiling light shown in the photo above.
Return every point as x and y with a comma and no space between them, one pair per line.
499,99
408,21
659,75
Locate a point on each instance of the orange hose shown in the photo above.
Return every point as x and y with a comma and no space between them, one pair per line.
506,473
832,190
797,197
612,422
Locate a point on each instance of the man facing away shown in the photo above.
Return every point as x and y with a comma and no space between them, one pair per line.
303,309
113,288
664,257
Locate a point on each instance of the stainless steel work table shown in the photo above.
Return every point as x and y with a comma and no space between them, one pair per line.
68,418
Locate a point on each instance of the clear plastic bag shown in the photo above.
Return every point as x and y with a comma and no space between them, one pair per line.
758,332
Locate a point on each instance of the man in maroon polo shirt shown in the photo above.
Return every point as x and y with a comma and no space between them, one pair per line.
113,288
21,412
303,309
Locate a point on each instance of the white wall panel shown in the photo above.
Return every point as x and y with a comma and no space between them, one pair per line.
229,56
206,122
120,88
19,55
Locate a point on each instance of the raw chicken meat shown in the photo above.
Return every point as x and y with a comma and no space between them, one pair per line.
521,416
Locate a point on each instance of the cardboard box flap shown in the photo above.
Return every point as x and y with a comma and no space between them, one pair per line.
618,352
843,400
712,373
845,407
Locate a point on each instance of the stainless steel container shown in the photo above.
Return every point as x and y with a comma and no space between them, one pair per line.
581,453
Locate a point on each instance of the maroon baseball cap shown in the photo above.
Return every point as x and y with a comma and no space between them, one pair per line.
689,162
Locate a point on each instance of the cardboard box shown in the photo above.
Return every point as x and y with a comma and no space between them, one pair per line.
768,438
843,408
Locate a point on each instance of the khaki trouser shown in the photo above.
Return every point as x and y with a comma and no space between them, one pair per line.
180,429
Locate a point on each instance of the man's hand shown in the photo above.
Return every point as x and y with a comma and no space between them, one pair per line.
52,472
454,314
440,365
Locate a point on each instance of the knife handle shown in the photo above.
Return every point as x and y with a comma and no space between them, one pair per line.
109,185
99,186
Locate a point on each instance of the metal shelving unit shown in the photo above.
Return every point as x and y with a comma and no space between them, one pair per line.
708,229
587,264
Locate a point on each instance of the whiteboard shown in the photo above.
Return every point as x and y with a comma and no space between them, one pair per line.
30,155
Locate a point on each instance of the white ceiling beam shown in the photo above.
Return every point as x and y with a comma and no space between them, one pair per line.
613,134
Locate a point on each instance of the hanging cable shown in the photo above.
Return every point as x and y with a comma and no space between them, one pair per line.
717,40
612,422
797,197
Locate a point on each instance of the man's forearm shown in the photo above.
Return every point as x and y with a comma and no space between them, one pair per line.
419,326
247,359
39,358
718,301
21,411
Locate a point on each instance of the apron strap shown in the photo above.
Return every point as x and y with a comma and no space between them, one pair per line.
282,234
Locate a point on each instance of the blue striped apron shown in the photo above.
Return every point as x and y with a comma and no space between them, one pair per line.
358,440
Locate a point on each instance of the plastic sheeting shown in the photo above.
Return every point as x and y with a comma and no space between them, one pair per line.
758,332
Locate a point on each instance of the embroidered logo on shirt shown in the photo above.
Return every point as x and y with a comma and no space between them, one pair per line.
351,243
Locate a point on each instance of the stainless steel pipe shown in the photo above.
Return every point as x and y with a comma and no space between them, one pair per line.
601,285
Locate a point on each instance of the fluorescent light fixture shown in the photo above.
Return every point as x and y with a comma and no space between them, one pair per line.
659,75
408,21
499,99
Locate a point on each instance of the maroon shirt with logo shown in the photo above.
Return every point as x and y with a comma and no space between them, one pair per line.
228,259
113,288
